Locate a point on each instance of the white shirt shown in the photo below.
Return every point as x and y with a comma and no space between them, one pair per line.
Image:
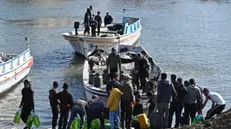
216,98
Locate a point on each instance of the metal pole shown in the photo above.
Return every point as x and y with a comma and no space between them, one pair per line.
28,42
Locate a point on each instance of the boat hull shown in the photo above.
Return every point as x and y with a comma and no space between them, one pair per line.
82,45
9,78
91,90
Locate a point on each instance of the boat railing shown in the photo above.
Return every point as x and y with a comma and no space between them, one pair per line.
130,28
14,62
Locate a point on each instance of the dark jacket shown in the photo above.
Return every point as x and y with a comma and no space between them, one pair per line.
98,19
66,99
108,19
193,95
112,84
27,99
95,106
143,64
87,19
166,91
53,98
113,61
93,24
78,109
181,92
127,92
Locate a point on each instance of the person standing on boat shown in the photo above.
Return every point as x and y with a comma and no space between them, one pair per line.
113,105
66,103
99,21
177,104
54,102
191,100
142,70
218,104
90,7
114,61
126,102
95,109
87,19
27,102
166,92
93,25
108,19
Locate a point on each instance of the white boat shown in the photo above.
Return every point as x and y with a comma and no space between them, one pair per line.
126,33
13,68
126,67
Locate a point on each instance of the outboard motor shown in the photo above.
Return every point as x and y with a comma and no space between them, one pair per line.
97,80
91,77
106,76
76,26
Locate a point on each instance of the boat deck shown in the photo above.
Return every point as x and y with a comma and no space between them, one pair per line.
126,68
104,32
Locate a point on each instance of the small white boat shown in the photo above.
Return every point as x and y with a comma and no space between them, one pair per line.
13,68
127,67
125,33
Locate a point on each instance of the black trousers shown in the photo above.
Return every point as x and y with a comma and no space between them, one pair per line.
142,77
94,115
64,114
190,111
126,113
217,109
98,29
55,114
87,29
25,114
177,109
93,31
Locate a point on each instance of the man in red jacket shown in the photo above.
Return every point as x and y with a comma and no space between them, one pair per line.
66,103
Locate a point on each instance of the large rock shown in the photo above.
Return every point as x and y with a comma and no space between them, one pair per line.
222,121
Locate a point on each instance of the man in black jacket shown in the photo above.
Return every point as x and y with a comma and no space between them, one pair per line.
178,103
54,103
95,109
27,102
99,21
107,19
66,103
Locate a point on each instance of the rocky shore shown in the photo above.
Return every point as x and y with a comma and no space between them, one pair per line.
222,121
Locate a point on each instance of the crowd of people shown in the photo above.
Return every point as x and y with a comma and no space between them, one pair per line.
124,98
95,21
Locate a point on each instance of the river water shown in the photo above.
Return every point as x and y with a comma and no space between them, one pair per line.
188,37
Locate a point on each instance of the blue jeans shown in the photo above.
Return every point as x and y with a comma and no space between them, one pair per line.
114,119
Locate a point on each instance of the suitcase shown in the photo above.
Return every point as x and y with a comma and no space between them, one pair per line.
143,121
154,120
